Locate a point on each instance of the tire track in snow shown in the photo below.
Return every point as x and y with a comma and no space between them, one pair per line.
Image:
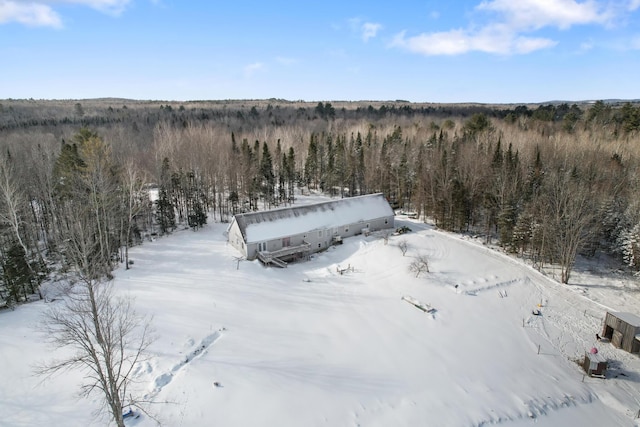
436,250
164,379
470,289
539,407
568,327
569,323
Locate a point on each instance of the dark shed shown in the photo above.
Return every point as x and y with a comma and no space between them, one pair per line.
622,329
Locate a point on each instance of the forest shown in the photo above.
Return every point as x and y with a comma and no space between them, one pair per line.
548,182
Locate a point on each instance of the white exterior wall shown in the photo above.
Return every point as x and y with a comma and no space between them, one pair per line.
273,230
236,239
252,251
319,239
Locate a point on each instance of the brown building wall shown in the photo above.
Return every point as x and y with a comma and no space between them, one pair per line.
621,334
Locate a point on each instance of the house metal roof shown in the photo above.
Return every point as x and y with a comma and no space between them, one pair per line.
597,357
628,318
277,223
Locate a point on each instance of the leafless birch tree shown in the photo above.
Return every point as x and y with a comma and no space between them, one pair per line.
109,340
569,218
135,200
108,337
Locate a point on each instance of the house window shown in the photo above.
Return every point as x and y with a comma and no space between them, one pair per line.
319,245
286,241
386,221
346,229
319,233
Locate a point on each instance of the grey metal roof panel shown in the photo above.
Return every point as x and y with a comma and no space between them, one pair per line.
303,218
628,318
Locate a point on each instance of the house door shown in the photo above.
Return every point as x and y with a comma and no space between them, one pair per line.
286,241
262,247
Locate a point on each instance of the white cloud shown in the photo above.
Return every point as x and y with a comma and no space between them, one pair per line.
367,30
510,29
491,39
115,6
40,13
251,69
452,42
30,14
370,30
535,14
522,45
108,6
633,5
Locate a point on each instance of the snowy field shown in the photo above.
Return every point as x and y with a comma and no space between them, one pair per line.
308,346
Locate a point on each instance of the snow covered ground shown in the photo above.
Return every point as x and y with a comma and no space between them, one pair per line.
308,346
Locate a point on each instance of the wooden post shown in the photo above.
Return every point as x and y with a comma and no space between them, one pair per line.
523,322
538,348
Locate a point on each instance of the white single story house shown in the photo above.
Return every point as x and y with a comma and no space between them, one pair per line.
293,231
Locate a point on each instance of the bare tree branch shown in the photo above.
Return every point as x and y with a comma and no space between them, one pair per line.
419,265
404,246
109,338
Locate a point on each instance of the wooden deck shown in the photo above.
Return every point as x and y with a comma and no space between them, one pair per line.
273,257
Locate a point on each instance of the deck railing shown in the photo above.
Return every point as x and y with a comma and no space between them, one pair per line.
289,250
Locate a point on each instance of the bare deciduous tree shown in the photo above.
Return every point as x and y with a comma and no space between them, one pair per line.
13,206
404,246
570,219
385,236
109,340
108,337
135,200
419,265
11,201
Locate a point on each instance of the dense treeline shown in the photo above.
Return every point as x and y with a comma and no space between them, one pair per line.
80,182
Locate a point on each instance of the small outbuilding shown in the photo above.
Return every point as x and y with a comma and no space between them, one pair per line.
279,234
595,365
623,330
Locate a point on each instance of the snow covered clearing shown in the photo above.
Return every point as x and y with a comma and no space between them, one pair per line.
308,346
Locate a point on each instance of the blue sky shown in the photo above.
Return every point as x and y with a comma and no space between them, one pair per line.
510,51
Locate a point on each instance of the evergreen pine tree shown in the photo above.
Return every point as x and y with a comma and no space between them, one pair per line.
291,174
165,212
17,276
266,174
311,166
